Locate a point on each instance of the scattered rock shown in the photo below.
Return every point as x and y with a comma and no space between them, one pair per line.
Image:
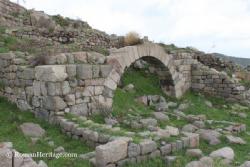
170,160
183,106
162,106
111,152
129,88
194,164
160,116
87,156
133,150
32,130
172,130
111,121
211,136
225,152
51,143
189,128
245,164
235,140
199,124
148,122
194,153
59,149
162,133
209,104
236,128
147,146
172,104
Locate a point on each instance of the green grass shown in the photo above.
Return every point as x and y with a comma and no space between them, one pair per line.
220,113
11,118
145,84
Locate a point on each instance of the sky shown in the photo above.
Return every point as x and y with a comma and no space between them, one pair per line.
221,26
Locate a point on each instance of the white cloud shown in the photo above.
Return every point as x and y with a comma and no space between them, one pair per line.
198,23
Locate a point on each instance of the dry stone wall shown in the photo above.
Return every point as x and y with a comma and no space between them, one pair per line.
216,83
83,83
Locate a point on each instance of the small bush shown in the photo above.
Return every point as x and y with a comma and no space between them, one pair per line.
64,22
132,38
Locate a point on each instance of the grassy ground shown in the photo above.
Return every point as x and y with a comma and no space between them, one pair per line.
145,84
11,118
124,104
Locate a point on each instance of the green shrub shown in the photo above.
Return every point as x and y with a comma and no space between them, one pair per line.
64,22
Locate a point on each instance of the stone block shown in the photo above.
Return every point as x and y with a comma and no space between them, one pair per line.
111,152
148,146
133,150
53,103
53,73
84,71
166,150
79,109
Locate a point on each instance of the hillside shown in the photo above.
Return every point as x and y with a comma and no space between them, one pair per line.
241,61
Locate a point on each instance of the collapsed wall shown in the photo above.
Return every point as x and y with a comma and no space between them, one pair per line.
53,30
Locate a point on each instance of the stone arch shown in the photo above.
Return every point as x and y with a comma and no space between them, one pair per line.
122,58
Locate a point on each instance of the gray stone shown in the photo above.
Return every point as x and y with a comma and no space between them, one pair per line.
207,161
54,103
80,109
211,136
148,122
183,106
111,152
166,150
245,164
87,156
169,160
194,164
189,128
235,140
111,121
147,146
84,71
225,152
162,106
133,150
199,124
209,104
160,116
70,99
5,159
65,88
129,87
71,70
59,149
32,130
173,131
54,88
42,164
105,70
194,153
53,73
172,104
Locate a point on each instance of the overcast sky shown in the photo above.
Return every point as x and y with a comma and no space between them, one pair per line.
210,25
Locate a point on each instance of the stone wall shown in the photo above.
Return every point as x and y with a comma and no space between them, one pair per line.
123,150
83,83
215,83
212,61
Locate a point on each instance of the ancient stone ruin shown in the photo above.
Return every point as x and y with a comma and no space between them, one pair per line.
83,83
